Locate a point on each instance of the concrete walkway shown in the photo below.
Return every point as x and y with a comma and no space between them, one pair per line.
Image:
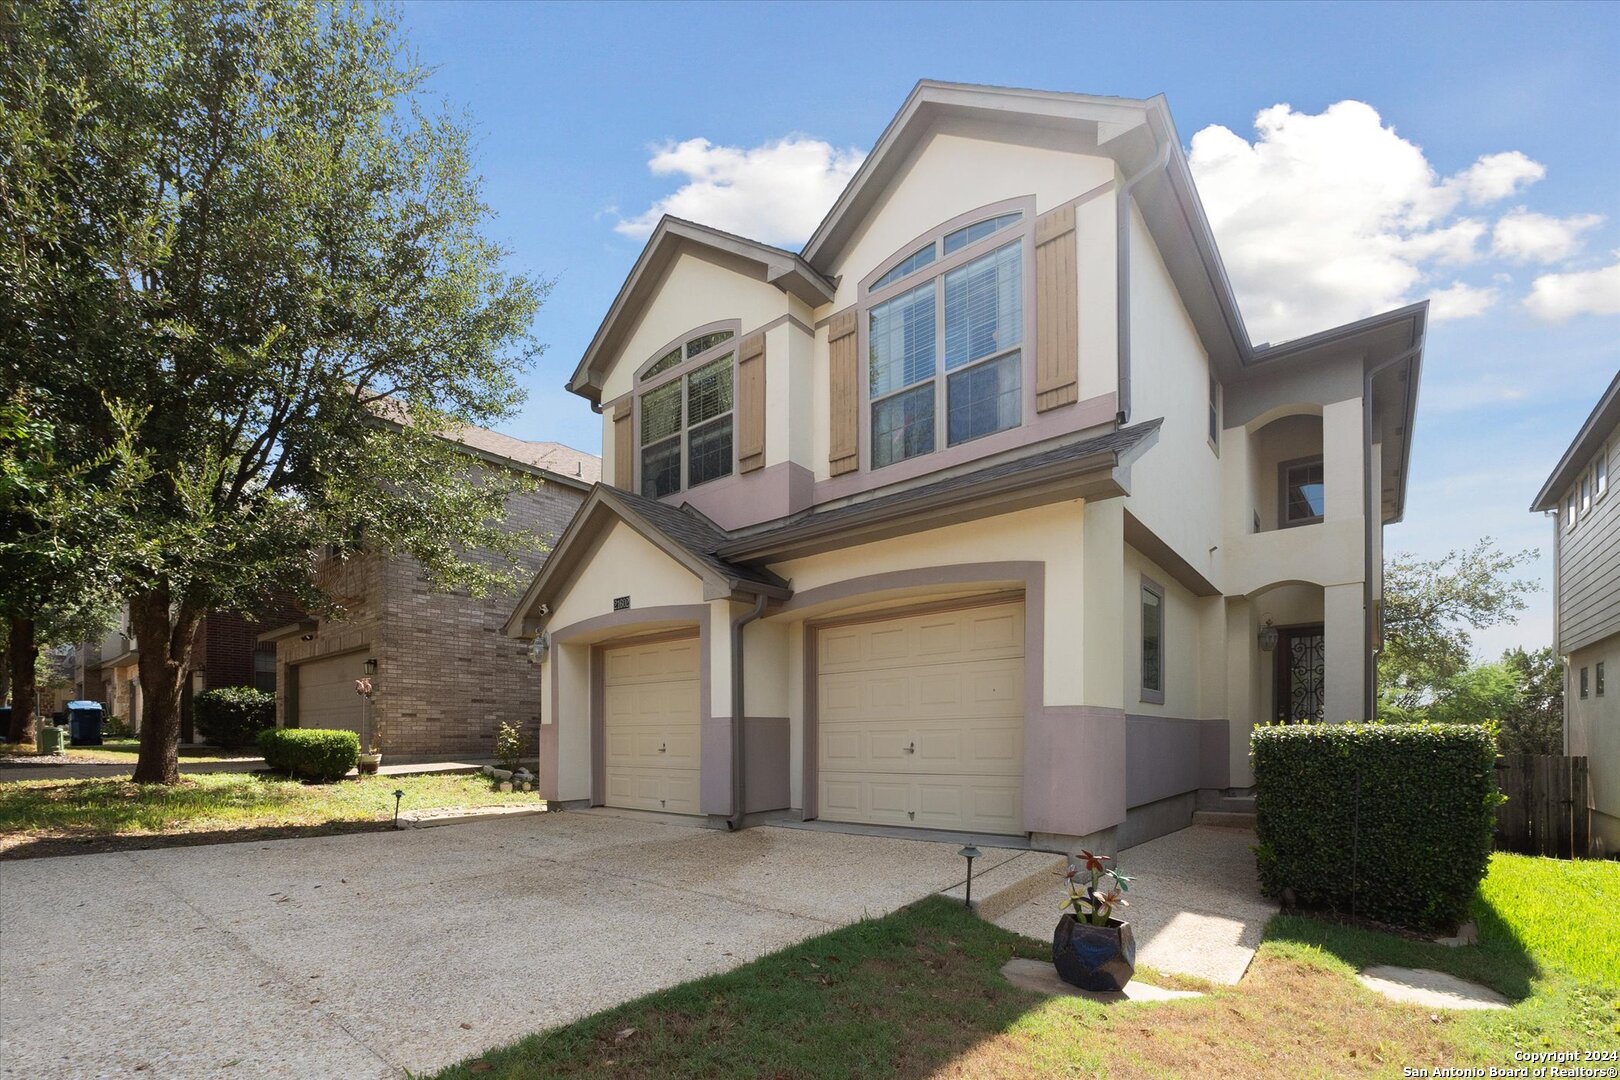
369,954
1195,903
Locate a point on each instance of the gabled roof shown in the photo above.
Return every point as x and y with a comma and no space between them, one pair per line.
1604,418
558,461
682,533
673,235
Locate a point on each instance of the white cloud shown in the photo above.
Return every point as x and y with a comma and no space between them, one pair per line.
777,192
1496,176
1328,217
1560,297
1531,237
1460,301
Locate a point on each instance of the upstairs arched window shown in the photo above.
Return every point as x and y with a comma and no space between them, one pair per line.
685,406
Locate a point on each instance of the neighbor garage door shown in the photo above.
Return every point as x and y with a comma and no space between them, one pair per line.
921,720
650,715
326,697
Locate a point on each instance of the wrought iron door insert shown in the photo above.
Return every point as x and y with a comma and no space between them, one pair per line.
1299,660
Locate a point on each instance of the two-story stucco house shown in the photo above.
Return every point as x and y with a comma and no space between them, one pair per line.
979,513
1586,605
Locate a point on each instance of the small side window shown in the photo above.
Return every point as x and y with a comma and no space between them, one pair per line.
1598,679
1152,643
1600,474
1586,493
1569,511
1304,496
1214,412
1585,685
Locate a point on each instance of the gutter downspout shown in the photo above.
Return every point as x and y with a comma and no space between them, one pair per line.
1122,287
1369,688
734,822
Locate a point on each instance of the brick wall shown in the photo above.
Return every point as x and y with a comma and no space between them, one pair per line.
447,675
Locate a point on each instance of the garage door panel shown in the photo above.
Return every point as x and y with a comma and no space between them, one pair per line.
651,700
326,697
921,720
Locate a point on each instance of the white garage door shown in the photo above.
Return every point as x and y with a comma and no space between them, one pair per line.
326,697
921,720
650,713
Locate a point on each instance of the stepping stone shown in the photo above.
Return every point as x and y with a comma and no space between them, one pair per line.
1042,977
1431,989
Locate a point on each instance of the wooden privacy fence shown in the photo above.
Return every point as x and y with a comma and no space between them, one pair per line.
1546,810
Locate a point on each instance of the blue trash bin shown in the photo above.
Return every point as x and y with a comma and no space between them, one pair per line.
84,723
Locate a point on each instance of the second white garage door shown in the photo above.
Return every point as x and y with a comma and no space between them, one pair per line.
650,715
921,720
326,697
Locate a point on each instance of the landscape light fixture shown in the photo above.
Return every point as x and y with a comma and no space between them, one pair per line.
399,793
969,853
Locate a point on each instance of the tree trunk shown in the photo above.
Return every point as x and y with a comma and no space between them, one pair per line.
163,638
23,651
5,672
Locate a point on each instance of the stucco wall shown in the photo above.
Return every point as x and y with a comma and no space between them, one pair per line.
1176,486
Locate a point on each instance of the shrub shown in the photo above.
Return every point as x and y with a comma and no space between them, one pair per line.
234,716
310,753
1388,821
511,745
113,727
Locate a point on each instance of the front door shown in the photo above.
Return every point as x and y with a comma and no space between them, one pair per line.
1300,660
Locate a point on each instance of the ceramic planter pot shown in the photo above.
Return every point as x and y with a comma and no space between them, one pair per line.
1094,957
368,764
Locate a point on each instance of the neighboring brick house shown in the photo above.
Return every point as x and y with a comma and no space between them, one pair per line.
225,652
446,676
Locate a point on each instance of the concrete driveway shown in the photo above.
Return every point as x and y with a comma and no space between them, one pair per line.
370,954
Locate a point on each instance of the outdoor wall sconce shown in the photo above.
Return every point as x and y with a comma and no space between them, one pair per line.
969,853
1268,636
371,666
539,646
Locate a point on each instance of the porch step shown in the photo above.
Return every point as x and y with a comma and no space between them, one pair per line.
1229,819
1003,887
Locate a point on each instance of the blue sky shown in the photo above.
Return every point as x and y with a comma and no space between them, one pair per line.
1481,166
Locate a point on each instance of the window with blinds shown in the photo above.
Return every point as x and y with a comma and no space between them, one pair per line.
686,428
951,343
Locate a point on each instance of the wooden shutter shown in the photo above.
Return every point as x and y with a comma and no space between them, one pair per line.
751,403
624,455
844,373
1057,311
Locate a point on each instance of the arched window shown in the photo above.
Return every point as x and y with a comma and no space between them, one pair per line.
944,325
685,413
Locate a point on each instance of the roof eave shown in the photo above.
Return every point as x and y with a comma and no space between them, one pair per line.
785,270
1604,414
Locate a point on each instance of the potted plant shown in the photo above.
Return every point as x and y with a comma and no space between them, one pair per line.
1090,948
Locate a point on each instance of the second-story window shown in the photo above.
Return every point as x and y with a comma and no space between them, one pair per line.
1304,494
950,344
686,422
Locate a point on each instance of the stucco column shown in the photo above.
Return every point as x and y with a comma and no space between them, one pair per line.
568,734
1242,688
714,761
1345,633
1342,460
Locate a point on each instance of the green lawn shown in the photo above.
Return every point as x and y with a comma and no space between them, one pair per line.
53,817
919,994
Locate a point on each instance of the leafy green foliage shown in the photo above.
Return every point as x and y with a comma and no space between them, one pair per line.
1430,605
237,232
1534,722
1387,821
310,753
233,716
511,746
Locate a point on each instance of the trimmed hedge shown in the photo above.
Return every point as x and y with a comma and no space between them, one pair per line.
1392,822
233,716
310,753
